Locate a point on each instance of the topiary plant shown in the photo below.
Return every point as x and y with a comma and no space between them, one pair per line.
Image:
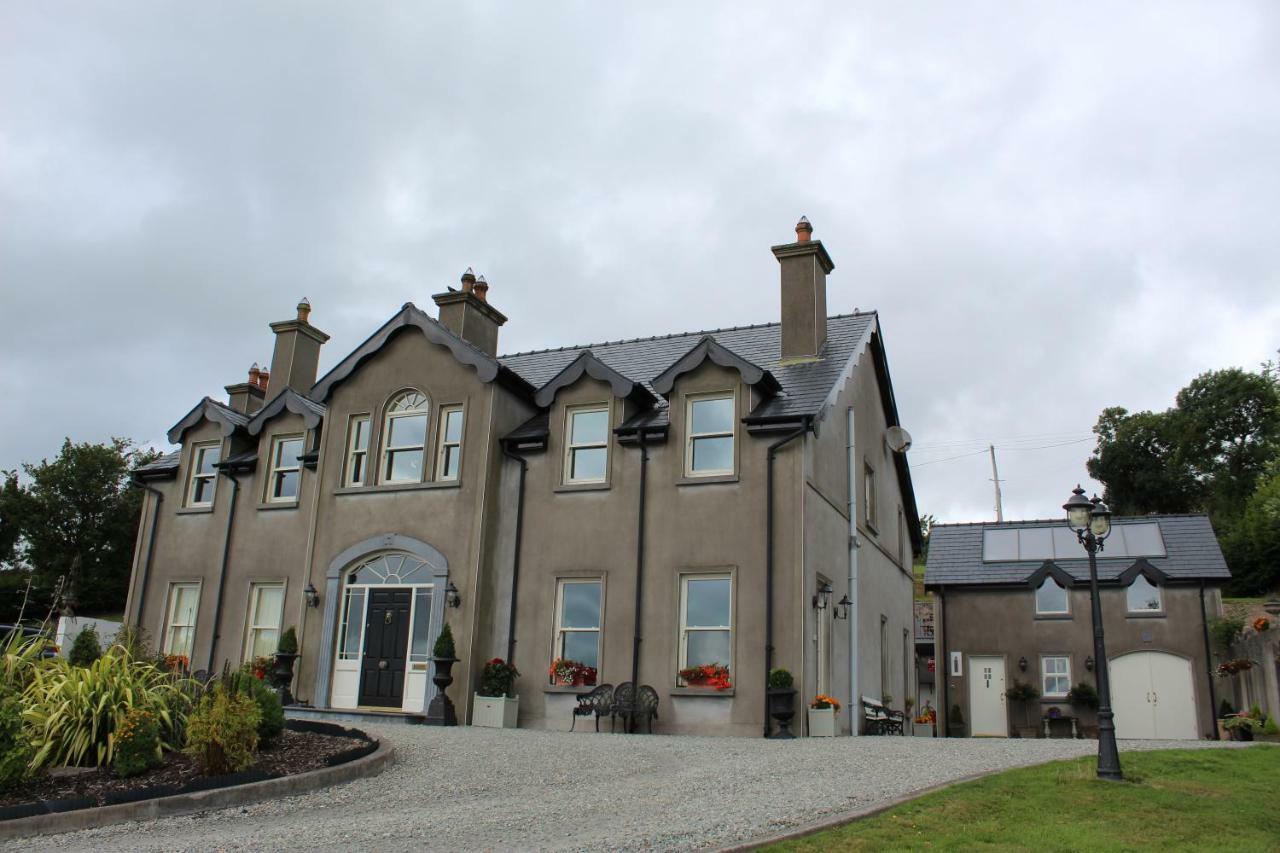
85,649
444,644
288,642
780,679
1084,695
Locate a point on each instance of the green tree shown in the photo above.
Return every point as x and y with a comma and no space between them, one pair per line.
77,519
1252,546
1137,459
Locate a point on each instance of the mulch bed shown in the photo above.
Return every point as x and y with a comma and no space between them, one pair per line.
292,752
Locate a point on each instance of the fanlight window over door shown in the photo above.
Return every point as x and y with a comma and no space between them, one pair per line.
391,569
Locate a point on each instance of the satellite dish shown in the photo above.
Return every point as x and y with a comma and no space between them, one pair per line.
899,439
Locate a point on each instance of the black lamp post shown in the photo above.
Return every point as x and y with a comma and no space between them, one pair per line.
1091,520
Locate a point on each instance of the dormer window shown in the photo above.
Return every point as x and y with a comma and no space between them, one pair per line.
204,475
709,446
1143,596
405,438
1051,599
587,444
286,469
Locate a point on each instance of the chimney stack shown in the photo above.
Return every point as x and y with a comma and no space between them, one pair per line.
246,397
805,264
468,314
297,354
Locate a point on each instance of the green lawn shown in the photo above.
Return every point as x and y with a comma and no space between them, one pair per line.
1206,799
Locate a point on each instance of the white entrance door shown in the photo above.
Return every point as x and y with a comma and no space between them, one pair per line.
986,697
1153,697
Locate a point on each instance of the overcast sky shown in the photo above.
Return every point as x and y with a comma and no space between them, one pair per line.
1053,211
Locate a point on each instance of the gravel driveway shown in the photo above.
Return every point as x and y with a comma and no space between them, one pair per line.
470,788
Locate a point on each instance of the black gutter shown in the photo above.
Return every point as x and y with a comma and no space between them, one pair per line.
515,560
636,637
768,558
1208,664
222,573
151,546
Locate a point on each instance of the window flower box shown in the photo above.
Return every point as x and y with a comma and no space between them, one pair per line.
571,673
714,675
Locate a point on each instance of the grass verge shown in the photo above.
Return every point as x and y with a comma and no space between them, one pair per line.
1207,799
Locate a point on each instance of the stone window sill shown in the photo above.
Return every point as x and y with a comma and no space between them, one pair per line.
192,510
1053,617
705,481
582,487
1146,614
397,487
700,691
278,505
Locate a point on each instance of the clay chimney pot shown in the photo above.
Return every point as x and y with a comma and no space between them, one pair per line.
804,231
482,289
255,375
468,281
304,310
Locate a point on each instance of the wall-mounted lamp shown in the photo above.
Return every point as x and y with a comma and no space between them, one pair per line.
1088,663
1022,663
842,608
823,599
312,595
451,596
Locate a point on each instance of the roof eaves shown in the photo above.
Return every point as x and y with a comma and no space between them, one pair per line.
208,409
709,348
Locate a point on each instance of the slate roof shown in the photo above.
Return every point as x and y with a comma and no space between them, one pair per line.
804,386
955,554
164,465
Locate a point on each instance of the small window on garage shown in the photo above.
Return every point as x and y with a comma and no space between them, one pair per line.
1143,596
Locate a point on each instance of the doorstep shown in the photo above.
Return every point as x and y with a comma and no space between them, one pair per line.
353,715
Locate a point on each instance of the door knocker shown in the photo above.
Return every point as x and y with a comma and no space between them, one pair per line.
386,618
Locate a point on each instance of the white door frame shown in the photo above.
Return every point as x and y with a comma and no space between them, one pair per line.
997,730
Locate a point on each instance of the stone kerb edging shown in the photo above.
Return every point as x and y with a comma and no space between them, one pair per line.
199,801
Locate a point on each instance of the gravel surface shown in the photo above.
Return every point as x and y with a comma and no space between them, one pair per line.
469,788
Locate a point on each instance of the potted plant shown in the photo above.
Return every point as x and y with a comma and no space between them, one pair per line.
926,724
822,716
1025,693
1240,727
955,722
441,711
782,701
285,657
494,704
715,675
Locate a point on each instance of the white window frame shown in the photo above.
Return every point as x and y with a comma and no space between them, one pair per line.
1045,675
684,614
170,624
198,452
570,448
277,467
870,503
444,445
691,436
388,449
1066,594
254,624
353,452
557,639
1159,593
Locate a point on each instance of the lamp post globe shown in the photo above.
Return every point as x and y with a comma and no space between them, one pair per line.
1100,519
1079,509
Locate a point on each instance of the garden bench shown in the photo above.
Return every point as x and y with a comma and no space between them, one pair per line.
598,702
880,719
634,704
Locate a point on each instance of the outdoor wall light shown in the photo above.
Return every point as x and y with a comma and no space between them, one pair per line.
842,608
312,595
1022,663
1088,663
451,596
823,598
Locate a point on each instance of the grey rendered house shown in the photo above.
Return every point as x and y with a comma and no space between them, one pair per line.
628,506
1012,603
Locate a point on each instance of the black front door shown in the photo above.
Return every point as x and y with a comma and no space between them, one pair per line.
386,647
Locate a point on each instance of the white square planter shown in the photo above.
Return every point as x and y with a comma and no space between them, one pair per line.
822,722
922,730
495,712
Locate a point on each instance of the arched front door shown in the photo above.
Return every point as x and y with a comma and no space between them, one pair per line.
1153,697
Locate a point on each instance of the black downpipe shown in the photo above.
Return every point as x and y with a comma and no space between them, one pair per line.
942,668
151,547
768,561
637,638
222,573
1208,666
515,560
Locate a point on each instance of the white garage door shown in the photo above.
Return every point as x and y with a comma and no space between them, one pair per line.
1152,697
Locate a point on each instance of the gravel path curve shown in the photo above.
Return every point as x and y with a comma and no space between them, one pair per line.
470,788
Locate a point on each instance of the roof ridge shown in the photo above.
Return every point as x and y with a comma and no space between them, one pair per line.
1055,521
696,332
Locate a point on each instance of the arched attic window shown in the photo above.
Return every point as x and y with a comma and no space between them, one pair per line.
1051,598
404,439
1143,596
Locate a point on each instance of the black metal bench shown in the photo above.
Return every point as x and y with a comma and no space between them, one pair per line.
880,719
634,704
598,702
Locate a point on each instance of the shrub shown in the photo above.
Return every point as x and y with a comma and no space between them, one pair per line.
1226,631
86,649
15,748
780,679
1022,691
497,678
18,660
222,732
1270,727
71,712
288,642
444,643
137,743
134,640
1084,695
271,712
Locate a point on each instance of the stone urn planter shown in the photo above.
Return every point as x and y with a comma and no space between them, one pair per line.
282,675
441,711
822,722
782,707
495,712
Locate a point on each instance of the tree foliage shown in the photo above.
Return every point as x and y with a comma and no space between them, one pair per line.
1209,453
72,525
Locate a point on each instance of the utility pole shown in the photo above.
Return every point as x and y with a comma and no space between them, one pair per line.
995,478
